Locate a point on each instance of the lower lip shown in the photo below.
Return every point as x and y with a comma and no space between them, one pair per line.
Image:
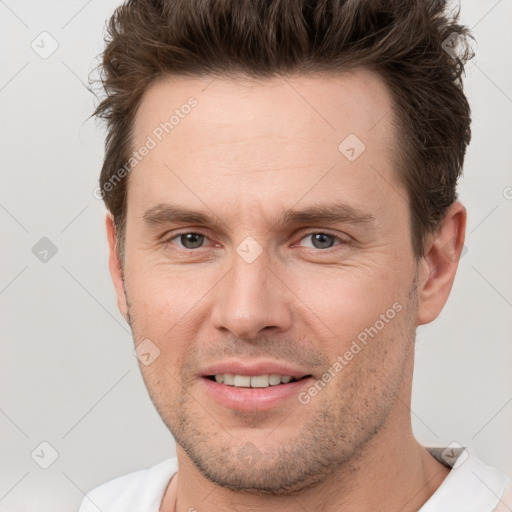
254,399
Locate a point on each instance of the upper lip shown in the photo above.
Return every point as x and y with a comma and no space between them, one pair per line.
259,368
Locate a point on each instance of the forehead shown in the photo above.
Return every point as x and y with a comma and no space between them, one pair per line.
306,107
251,138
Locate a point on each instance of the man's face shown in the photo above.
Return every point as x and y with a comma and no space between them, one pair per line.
255,285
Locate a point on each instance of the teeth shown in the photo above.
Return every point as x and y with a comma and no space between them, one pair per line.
260,381
242,381
229,379
248,381
274,379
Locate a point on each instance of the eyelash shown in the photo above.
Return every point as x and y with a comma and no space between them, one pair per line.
168,241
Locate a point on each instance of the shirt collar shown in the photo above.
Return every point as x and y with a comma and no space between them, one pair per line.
471,485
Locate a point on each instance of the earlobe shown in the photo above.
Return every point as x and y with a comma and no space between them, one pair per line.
439,264
114,265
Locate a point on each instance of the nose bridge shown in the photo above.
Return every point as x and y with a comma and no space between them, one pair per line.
251,298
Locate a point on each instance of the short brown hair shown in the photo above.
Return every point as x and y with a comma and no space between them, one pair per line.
404,41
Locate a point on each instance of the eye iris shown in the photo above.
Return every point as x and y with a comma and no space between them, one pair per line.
191,240
322,240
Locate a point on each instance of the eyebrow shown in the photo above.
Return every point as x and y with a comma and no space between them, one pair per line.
331,213
168,213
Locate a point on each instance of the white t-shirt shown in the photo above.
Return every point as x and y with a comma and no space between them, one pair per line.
471,486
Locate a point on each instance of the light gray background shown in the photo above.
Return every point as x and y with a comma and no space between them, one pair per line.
67,372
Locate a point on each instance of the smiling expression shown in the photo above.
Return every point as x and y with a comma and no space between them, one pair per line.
264,233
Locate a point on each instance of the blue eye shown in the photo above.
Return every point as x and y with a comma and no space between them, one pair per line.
321,240
190,240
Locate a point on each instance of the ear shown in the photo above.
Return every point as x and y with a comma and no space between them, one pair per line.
115,266
439,264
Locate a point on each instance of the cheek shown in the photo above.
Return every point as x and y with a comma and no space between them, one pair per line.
348,299
163,309
164,297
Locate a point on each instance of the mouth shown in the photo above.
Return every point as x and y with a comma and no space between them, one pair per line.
254,381
252,393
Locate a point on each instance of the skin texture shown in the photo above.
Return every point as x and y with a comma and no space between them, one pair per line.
249,151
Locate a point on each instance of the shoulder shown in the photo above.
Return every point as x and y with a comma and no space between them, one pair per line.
471,485
132,492
505,504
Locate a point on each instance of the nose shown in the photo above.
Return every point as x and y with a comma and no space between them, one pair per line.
252,298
